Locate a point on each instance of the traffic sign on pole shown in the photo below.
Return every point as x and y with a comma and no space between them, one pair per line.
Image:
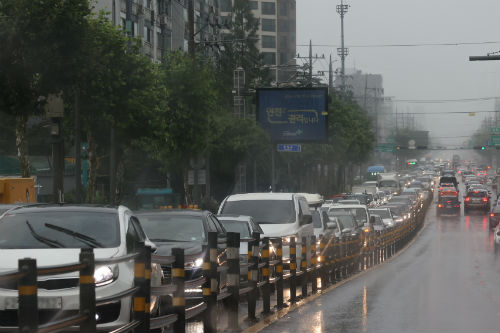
289,148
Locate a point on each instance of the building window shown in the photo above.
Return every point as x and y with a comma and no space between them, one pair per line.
269,58
268,8
254,5
268,25
268,42
147,34
283,9
225,5
282,25
283,42
283,58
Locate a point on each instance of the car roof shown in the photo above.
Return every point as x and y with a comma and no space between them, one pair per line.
261,196
187,212
63,208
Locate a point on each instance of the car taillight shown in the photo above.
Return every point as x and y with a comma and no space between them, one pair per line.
440,205
485,199
467,199
456,206
491,214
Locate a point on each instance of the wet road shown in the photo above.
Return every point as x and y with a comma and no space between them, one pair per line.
448,280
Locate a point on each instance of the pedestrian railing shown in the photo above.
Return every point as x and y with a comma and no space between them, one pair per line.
332,259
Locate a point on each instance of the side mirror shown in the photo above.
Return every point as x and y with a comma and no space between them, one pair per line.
331,225
152,245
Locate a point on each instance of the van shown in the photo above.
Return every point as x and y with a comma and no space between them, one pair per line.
282,215
390,182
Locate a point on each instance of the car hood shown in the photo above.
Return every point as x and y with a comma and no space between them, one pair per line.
278,230
165,248
49,257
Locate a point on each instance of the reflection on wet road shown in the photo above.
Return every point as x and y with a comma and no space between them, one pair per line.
447,281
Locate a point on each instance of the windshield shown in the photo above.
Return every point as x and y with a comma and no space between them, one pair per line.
240,227
388,183
42,230
383,213
182,228
316,217
262,211
346,220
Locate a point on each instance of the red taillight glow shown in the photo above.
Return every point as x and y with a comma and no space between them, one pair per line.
485,199
440,205
492,214
467,199
456,206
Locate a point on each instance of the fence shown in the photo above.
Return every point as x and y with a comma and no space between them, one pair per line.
332,259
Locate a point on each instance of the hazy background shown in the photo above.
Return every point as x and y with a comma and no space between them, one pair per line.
415,73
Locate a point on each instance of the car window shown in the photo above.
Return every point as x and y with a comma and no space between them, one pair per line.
240,227
173,227
262,211
316,219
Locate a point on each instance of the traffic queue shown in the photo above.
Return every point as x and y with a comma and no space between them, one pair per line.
362,225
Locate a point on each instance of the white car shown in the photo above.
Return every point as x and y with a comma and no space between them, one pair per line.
278,214
54,235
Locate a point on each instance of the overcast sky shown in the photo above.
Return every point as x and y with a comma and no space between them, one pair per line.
415,73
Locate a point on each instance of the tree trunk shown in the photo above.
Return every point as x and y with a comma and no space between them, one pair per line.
93,166
22,145
187,196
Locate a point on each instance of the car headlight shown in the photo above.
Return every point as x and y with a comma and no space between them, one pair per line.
104,275
198,262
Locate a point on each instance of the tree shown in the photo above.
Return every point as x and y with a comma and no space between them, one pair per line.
183,123
40,41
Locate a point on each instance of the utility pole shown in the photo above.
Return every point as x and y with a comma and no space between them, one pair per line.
239,112
330,74
342,51
191,45
310,59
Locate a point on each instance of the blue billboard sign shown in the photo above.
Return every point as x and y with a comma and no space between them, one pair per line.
293,115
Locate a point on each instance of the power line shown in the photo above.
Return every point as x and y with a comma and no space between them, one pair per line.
410,45
430,101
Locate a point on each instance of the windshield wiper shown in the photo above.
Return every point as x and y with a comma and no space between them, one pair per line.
41,239
81,237
167,240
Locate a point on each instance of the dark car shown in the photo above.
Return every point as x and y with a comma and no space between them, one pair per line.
494,217
187,229
477,199
448,204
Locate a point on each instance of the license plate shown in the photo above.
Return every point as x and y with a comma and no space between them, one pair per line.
11,303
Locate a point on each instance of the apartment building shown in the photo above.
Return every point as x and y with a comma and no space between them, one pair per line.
162,25
277,33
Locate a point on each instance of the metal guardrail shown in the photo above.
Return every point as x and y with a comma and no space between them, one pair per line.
332,260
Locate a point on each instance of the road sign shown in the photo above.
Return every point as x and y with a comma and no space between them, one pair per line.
385,148
411,144
495,140
495,130
289,148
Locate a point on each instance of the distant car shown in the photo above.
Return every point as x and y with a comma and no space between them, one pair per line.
385,214
494,217
320,219
477,199
54,235
448,204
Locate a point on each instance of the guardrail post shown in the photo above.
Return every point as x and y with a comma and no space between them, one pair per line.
233,278
266,288
147,287
140,300
293,270
303,267
314,260
179,301
28,301
210,285
87,291
279,274
323,261
253,274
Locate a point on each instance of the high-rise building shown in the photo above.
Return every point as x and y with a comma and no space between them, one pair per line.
277,33
162,25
